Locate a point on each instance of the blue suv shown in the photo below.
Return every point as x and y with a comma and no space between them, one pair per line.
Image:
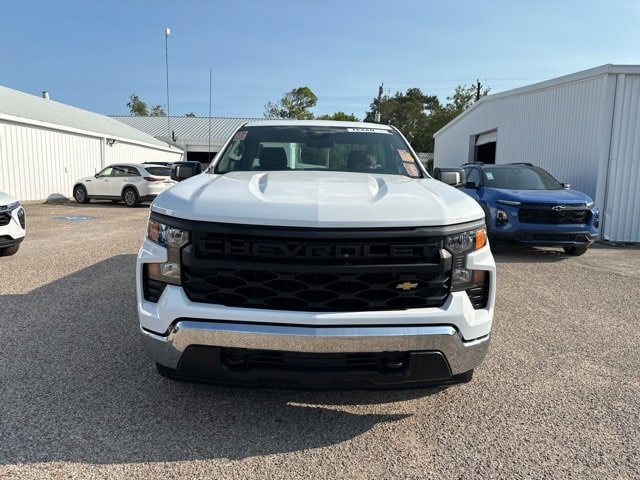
524,203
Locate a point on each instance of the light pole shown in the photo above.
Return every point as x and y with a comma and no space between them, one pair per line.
167,32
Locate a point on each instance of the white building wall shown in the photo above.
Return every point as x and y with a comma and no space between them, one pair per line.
622,199
37,162
564,129
124,152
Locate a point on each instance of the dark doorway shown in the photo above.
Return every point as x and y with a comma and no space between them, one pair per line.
486,153
202,157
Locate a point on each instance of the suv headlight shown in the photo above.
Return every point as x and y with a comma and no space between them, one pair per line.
173,239
460,245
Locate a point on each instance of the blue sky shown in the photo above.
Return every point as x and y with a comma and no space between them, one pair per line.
94,54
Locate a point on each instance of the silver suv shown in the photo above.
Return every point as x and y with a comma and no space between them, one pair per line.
129,182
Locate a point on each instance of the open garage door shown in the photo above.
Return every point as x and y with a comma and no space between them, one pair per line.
485,150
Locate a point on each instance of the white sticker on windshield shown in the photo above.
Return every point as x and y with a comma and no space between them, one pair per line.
365,130
489,175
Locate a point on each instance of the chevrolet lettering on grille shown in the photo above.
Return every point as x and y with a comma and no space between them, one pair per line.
296,250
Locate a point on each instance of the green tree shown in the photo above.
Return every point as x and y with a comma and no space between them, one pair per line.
340,116
190,114
157,111
294,104
137,107
408,112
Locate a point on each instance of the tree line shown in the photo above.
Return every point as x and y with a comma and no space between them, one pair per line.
417,115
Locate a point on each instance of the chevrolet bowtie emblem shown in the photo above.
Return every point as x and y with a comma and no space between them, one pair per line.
406,286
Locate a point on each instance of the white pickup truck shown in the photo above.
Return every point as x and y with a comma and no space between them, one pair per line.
316,253
12,225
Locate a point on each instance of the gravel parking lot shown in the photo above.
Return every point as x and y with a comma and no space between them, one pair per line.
557,397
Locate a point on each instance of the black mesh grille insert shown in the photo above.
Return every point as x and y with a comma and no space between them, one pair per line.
5,218
315,270
554,214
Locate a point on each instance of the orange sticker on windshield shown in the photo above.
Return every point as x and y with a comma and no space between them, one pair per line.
405,155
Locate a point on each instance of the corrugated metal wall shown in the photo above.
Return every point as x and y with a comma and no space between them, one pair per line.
558,128
36,162
622,220
123,152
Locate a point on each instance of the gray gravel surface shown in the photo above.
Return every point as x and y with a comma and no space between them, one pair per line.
557,397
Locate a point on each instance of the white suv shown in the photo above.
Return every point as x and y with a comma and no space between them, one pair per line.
133,183
12,224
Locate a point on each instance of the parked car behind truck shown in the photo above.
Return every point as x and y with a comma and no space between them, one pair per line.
290,261
12,224
524,203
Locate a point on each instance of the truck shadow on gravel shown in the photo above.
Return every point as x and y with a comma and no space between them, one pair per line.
77,386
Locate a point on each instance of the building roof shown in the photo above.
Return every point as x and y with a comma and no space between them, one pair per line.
185,128
16,106
607,69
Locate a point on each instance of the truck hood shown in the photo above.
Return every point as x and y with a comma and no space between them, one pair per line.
317,199
543,196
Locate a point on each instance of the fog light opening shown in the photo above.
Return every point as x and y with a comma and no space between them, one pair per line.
394,360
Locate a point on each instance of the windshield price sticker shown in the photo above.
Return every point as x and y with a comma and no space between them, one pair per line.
241,135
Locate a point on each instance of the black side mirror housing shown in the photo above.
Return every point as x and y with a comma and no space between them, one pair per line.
470,184
453,176
566,186
183,170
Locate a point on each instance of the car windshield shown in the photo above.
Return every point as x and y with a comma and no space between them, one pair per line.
265,148
520,178
159,171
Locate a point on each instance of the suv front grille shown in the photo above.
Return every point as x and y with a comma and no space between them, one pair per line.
571,214
5,218
315,270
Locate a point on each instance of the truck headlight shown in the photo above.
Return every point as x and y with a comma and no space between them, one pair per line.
173,239
460,245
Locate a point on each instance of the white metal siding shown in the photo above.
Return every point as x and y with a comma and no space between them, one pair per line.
622,220
123,152
558,128
38,162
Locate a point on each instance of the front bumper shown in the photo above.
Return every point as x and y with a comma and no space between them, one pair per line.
312,356
549,238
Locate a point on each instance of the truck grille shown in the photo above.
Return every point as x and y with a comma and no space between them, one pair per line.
570,214
315,270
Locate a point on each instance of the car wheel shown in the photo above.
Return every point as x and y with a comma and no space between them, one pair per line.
130,197
6,251
575,250
80,194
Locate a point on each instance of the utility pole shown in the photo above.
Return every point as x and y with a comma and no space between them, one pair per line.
167,32
378,116
478,90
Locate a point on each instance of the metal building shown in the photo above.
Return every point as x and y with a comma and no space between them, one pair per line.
583,128
46,145
200,137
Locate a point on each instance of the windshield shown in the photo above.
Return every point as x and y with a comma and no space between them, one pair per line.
520,178
265,148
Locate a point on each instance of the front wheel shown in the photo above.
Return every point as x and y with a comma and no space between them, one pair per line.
80,194
6,251
575,250
130,197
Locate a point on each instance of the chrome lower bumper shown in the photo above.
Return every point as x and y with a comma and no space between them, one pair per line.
462,356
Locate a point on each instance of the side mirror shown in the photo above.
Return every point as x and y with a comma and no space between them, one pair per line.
566,186
453,176
183,170
470,184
